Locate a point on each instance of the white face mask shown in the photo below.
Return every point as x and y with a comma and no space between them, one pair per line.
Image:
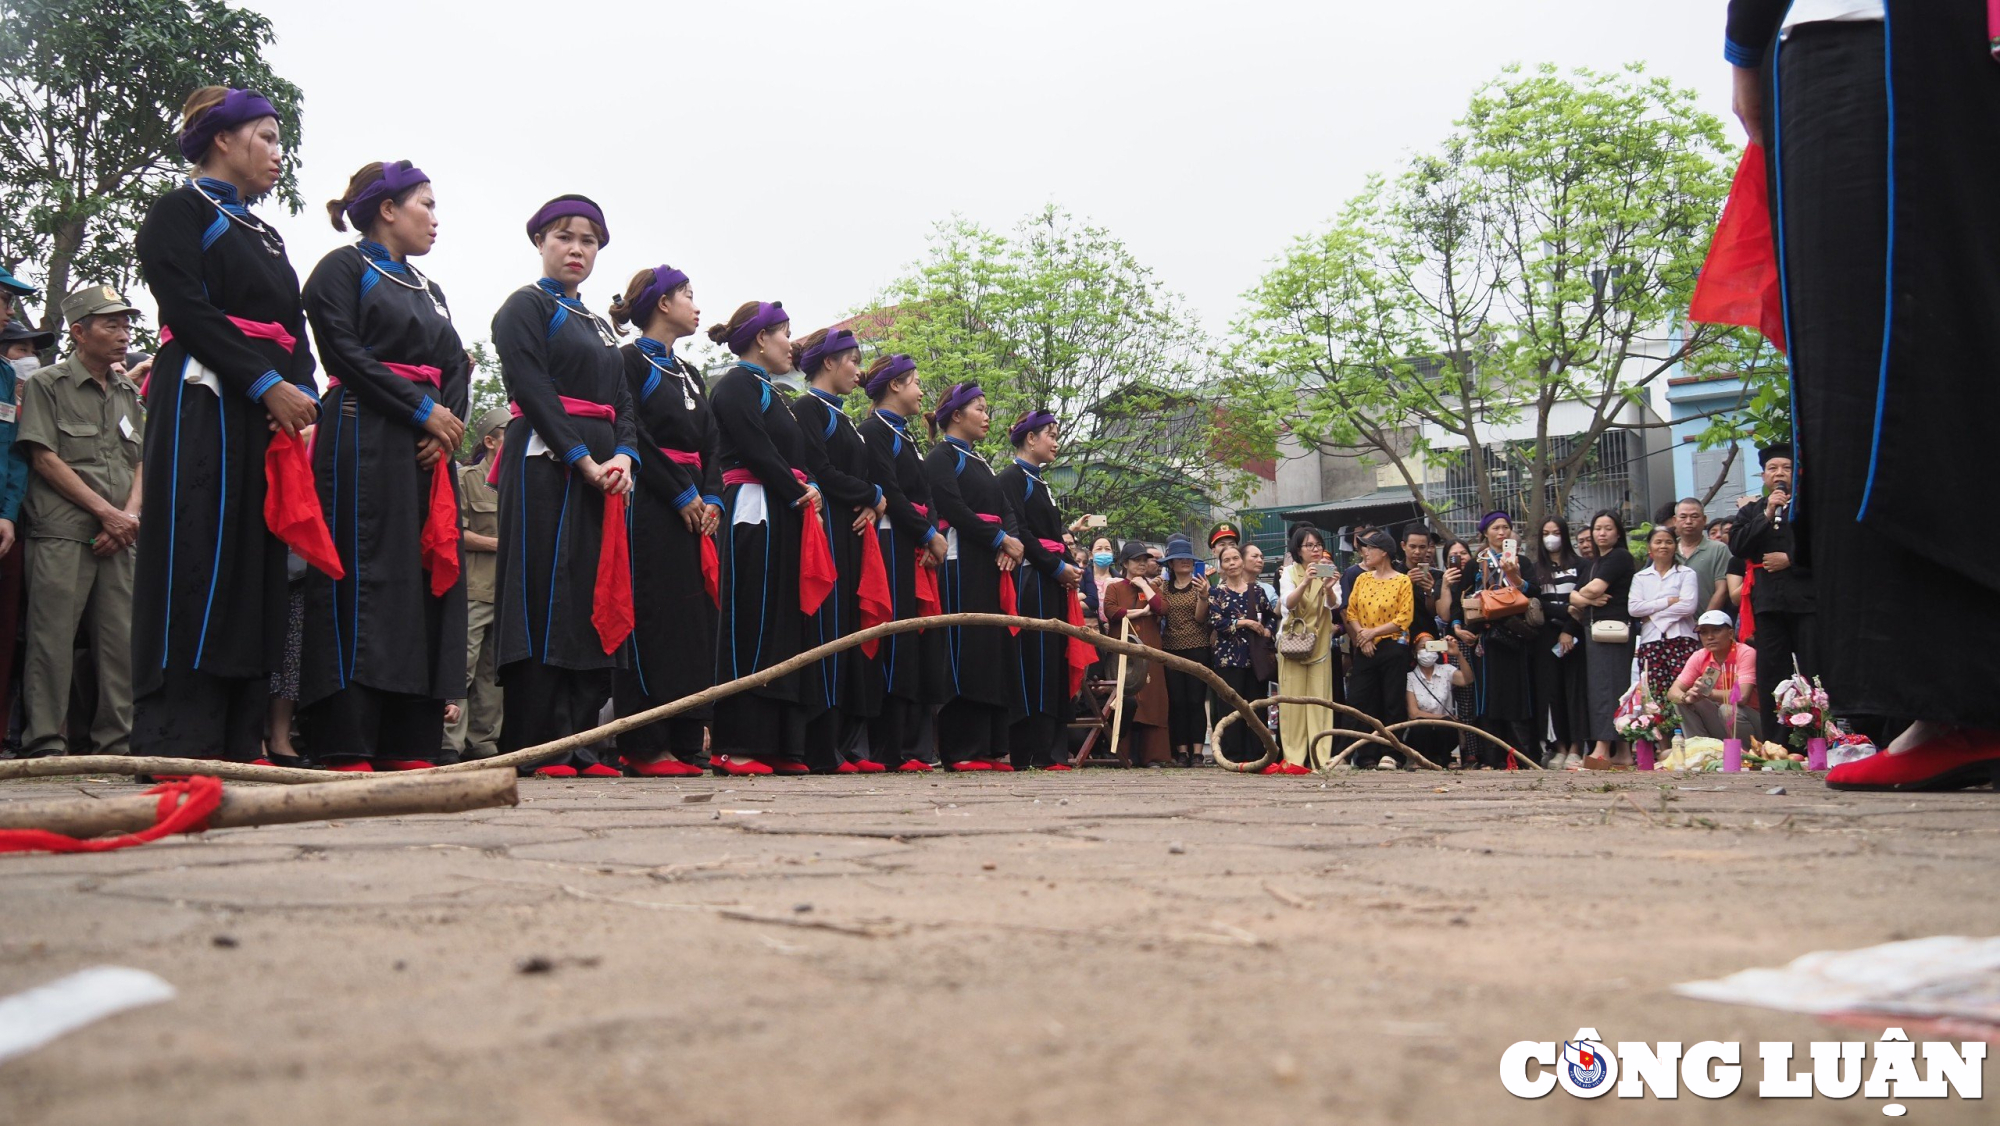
1426,658
1553,543
25,365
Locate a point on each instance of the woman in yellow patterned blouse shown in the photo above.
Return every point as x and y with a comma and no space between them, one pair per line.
1379,613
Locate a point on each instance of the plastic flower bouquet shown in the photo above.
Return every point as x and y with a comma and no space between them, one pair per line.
1803,710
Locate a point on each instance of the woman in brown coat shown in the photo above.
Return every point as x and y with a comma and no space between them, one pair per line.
1133,599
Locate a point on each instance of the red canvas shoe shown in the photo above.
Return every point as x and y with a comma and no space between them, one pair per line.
601,770
403,764
969,765
723,764
669,767
559,770
262,762
352,766
869,766
790,766
1951,761
846,768
1059,766
914,766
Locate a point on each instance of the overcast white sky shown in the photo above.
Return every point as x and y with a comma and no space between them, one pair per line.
800,151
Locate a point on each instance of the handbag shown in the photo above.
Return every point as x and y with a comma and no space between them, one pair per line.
1263,659
1296,642
1611,633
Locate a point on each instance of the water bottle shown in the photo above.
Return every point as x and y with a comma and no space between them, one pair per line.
1680,743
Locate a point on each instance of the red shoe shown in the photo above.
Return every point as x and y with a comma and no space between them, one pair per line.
262,762
559,770
1003,767
723,764
790,766
1952,761
870,766
601,770
668,767
846,768
403,764
969,765
352,766
913,766
1059,766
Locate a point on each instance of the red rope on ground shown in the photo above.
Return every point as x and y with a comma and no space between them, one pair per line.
203,793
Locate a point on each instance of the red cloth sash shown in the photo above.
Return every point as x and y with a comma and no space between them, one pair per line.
928,603
255,330
291,505
878,604
1738,284
816,573
611,602
415,373
711,564
575,408
1746,622
1010,595
439,540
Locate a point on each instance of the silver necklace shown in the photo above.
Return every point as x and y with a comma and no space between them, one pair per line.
422,284
273,244
687,381
974,454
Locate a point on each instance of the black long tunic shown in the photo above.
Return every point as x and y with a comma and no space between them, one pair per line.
981,665
1044,664
905,530
760,623
836,457
380,626
672,651
551,519
210,593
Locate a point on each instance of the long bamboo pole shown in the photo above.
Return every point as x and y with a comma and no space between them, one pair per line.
393,796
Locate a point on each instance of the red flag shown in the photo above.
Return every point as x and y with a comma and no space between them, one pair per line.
928,603
1081,653
611,603
291,505
878,605
711,570
816,573
1738,284
440,537
1010,597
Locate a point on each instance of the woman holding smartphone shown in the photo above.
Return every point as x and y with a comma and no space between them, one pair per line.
1309,594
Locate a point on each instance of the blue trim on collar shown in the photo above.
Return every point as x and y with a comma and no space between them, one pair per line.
959,442
743,363
830,397
655,349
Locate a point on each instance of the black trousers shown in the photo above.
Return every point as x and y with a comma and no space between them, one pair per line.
1238,744
1038,740
1781,638
970,730
1378,686
545,702
363,722
195,715
893,734
1187,697
1562,693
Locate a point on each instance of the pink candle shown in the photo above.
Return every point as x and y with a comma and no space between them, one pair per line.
1732,755
1815,754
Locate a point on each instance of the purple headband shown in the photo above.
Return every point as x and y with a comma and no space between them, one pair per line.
564,207
397,177
666,279
235,108
769,314
1487,520
956,399
899,365
1035,421
836,342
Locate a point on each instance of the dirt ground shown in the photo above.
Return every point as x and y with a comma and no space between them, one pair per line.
1155,947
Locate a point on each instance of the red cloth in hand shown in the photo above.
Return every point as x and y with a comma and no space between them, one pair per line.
203,792
1080,652
878,605
440,536
1738,284
816,573
711,570
928,603
611,603
291,505
1746,622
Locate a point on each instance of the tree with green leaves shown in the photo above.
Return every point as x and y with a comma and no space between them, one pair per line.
91,109
1543,255
1060,315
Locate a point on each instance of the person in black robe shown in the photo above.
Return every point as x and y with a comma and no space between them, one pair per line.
1884,147
837,458
575,442
766,495
1045,587
675,509
210,602
982,665
1783,621
910,542
380,652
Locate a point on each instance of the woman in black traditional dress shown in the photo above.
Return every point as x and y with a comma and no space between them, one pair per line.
910,544
1046,588
209,607
573,443
676,506
766,499
982,665
384,646
837,458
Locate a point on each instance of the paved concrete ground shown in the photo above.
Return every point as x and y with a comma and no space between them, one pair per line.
1154,947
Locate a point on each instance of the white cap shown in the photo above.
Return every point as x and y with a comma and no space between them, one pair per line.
1715,618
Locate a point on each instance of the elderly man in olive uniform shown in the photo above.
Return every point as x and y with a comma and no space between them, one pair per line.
476,731
80,428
